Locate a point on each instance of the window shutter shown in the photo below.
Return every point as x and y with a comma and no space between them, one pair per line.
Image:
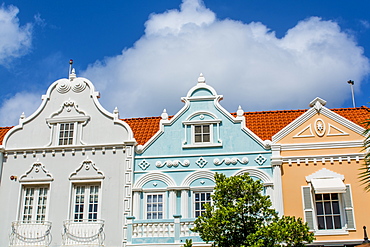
348,209
308,207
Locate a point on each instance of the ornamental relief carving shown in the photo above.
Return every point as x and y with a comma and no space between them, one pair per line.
320,128
77,86
201,162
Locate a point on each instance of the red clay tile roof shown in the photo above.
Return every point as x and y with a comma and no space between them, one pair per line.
264,124
3,131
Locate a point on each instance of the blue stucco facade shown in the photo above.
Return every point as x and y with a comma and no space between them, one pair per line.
178,164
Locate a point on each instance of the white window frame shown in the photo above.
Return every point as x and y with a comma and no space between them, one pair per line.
341,213
194,210
59,138
163,194
35,203
201,134
86,204
214,132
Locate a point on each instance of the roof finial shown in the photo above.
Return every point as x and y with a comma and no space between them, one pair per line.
71,71
164,115
201,78
240,112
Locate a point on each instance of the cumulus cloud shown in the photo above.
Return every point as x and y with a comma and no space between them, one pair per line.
245,62
15,40
26,101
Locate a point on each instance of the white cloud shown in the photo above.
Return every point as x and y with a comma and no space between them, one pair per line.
26,101
246,63
15,40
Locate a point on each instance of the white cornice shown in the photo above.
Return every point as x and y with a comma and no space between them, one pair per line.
198,155
322,145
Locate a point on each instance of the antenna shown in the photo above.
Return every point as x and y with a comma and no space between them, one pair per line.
70,67
350,82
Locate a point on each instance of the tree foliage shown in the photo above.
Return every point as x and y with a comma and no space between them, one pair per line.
365,169
240,215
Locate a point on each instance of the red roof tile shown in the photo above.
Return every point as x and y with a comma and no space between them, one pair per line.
3,131
264,124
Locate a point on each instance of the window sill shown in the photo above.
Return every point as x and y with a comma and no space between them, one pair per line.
331,232
202,145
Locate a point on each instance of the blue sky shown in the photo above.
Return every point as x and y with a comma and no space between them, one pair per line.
144,55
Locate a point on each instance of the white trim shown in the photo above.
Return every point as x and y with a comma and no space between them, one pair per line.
164,202
265,178
196,175
154,176
203,155
322,145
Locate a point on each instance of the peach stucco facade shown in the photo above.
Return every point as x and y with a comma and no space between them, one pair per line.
321,143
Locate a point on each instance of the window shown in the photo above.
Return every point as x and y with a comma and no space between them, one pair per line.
34,204
154,206
328,211
202,133
86,202
66,131
200,199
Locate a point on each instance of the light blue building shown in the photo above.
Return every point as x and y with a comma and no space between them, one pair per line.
174,170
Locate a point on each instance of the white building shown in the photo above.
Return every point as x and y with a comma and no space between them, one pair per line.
66,172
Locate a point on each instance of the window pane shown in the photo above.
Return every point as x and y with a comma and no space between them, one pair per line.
327,206
337,222
329,222
205,128
319,208
198,129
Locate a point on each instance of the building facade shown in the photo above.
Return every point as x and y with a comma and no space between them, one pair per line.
73,174
174,169
66,172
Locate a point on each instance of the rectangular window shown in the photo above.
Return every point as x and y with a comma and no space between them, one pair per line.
154,206
86,202
202,133
328,211
200,199
34,204
66,133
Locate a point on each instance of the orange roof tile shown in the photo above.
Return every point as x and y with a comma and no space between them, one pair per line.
3,131
264,124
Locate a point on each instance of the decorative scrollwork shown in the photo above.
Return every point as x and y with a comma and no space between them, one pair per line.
229,161
172,163
63,86
79,86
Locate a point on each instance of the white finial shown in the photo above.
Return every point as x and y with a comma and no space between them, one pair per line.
164,115
115,111
72,75
317,103
201,78
22,116
240,112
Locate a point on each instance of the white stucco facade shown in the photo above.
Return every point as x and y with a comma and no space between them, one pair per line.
67,172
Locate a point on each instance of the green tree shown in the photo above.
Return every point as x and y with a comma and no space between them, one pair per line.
365,169
240,215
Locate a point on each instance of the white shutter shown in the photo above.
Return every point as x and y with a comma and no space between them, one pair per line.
308,206
348,209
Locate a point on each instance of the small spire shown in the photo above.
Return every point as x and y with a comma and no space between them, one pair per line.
22,116
72,75
115,111
201,78
164,115
240,112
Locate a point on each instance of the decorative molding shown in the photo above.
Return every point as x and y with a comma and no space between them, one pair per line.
229,161
144,164
201,162
260,159
172,163
321,145
154,176
320,127
324,173
197,175
324,159
36,173
87,170
300,134
341,132
265,178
